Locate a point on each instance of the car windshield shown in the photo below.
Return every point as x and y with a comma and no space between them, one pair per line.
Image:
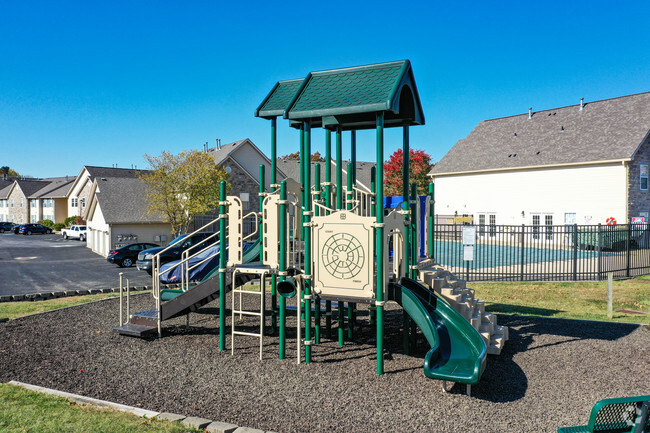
178,239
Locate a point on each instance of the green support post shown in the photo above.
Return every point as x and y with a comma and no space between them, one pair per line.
317,213
339,206
432,219
283,266
379,244
353,155
222,265
328,203
307,228
348,198
339,170
273,188
373,212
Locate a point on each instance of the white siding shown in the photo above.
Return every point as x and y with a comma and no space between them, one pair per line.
593,193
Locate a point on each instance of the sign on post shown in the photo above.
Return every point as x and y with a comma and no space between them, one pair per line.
469,240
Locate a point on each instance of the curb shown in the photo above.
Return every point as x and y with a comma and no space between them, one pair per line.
42,296
188,421
88,400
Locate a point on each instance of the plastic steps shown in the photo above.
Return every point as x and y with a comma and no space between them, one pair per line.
463,299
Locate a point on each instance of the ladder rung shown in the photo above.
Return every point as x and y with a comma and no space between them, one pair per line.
250,334
247,291
248,313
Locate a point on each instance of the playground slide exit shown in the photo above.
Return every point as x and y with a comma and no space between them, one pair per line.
458,352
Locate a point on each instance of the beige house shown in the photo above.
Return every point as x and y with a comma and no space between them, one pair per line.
31,200
79,193
116,215
581,164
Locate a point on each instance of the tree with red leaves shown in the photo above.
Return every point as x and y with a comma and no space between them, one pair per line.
419,163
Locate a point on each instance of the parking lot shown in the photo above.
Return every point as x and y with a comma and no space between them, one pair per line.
48,263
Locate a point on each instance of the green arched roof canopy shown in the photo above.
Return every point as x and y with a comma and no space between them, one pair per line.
277,101
350,97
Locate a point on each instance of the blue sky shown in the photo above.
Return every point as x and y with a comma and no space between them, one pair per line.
102,83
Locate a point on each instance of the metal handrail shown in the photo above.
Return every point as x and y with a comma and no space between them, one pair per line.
155,263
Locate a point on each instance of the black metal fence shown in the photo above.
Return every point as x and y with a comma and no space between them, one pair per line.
544,252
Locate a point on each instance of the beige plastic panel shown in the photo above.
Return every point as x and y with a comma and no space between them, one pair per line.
235,231
343,255
271,231
394,228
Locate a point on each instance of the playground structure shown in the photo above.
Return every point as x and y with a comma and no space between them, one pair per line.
330,242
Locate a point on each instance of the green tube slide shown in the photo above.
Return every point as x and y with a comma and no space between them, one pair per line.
457,351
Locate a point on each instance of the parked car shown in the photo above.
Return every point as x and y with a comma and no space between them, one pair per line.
180,244
28,229
126,256
6,226
74,232
16,228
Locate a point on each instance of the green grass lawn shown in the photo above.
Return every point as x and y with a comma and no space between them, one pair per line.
571,300
29,411
12,310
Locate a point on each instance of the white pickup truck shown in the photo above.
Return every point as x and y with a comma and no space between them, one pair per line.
74,232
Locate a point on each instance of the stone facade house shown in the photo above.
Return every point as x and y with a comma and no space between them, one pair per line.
581,164
242,160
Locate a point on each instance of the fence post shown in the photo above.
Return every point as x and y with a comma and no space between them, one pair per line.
575,252
610,294
600,265
628,247
523,235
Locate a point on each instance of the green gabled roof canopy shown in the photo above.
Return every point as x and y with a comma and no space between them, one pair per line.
350,97
277,101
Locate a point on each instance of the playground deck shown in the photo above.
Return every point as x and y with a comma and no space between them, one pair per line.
549,374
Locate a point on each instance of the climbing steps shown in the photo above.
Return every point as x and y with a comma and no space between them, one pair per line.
463,300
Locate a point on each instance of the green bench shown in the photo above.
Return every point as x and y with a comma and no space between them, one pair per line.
616,415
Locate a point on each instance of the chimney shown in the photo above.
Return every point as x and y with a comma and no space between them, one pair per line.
582,103
530,112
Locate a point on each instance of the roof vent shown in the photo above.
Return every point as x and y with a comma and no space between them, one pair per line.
515,136
530,112
562,129
582,103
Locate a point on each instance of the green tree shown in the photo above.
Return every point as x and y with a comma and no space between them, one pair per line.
9,172
419,163
183,185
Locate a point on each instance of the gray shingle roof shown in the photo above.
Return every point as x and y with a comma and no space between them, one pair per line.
610,129
5,187
220,154
100,172
29,187
123,200
56,188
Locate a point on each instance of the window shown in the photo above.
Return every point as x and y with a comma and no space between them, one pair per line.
33,203
643,177
48,202
12,202
83,203
33,219
22,202
536,226
481,225
245,199
493,223
548,220
3,203
74,202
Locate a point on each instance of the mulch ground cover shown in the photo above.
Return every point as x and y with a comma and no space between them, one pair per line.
549,374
